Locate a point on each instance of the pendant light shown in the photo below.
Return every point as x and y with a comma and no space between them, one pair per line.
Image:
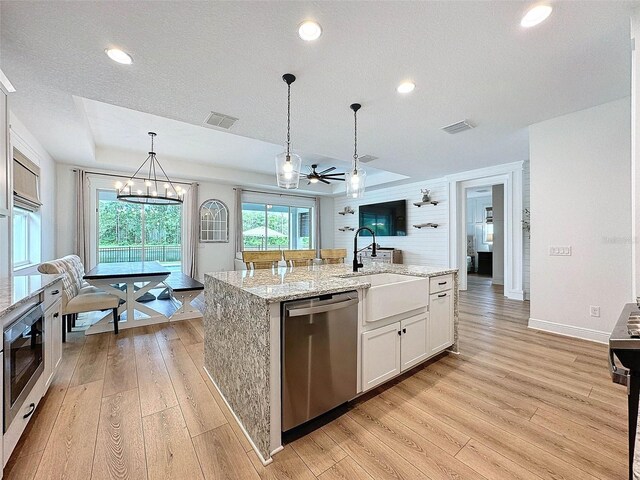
356,178
155,187
288,164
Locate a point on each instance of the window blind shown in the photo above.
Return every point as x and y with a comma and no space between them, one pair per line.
26,177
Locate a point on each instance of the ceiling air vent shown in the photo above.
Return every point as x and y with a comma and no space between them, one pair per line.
458,127
367,158
220,120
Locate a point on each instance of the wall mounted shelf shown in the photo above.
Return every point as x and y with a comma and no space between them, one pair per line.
431,202
347,229
345,211
425,225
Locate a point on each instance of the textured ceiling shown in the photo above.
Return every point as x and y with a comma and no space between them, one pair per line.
468,59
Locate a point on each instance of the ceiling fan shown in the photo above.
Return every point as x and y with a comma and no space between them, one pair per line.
324,176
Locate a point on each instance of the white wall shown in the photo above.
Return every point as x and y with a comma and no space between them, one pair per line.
24,141
497,202
426,246
580,197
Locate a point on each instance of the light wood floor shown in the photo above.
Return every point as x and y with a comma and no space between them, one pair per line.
516,404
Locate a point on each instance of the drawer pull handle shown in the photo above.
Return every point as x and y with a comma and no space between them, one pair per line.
442,283
442,295
55,292
32,409
55,315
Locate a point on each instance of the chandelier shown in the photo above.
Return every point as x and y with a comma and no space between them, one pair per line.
153,186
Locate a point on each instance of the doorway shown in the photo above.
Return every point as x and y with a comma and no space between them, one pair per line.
484,233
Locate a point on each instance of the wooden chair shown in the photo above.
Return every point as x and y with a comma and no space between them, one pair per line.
299,258
261,260
333,255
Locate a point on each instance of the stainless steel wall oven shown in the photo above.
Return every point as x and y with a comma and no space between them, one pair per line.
23,359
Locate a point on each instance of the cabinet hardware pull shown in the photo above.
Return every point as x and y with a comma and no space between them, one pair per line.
55,315
399,332
442,283
404,330
55,292
442,295
32,408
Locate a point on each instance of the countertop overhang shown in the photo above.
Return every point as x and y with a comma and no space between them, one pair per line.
290,283
17,290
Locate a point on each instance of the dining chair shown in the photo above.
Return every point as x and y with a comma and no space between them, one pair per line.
333,255
261,260
299,258
75,297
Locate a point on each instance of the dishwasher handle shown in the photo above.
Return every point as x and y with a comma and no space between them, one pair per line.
298,312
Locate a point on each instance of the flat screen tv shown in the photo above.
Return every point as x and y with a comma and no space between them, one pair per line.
388,219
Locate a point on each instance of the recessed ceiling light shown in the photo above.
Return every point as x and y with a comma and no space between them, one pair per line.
309,30
406,87
536,15
119,56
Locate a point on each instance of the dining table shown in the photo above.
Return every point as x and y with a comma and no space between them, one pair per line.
138,279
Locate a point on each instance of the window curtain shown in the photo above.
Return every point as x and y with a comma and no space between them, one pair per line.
318,229
190,225
82,217
238,215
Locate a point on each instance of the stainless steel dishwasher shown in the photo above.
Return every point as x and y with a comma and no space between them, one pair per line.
319,356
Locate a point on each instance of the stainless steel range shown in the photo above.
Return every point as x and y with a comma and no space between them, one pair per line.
624,343
23,358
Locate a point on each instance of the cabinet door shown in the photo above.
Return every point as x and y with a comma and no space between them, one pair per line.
52,341
380,355
440,334
413,348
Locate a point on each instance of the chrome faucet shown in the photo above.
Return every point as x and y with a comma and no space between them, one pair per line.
357,264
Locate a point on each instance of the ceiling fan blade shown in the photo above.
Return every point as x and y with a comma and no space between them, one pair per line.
308,183
334,175
324,181
339,179
330,169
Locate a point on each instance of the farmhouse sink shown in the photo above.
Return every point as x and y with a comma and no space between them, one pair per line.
392,294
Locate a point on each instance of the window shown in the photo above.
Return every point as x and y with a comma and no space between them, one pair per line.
129,232
214,222
26,238
286,224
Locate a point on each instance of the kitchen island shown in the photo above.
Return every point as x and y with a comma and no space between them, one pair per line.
242,324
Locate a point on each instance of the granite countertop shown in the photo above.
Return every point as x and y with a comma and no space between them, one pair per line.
300,282
18,289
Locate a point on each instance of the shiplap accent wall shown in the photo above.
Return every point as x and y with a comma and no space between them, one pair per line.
526,241
426,246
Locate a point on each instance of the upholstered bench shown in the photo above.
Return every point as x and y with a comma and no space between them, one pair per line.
76,296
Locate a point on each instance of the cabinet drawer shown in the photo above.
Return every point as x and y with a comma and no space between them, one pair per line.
441,283
19,423
52,294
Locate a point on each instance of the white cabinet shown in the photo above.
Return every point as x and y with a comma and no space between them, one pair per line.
380,355
5,160
52,340
413,341
440,332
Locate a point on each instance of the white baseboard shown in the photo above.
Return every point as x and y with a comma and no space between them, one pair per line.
515,295
264,461
569,330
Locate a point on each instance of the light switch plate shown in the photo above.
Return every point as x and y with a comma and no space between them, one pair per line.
560,251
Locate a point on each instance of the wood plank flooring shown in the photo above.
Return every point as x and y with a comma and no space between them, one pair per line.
515,404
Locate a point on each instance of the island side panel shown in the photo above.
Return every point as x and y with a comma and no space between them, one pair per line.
237,355
456,295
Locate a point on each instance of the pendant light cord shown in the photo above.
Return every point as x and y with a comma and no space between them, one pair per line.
355,141
288,119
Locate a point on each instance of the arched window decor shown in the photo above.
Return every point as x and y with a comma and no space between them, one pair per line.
214,222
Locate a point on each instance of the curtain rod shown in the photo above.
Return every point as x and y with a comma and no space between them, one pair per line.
276,193
117,175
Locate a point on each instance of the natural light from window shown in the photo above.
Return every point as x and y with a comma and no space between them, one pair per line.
276,227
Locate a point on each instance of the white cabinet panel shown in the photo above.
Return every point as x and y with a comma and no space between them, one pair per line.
413,347
4,155
380,355
52,340
440,332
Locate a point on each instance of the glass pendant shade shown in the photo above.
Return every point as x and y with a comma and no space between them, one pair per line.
355,181
288,170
